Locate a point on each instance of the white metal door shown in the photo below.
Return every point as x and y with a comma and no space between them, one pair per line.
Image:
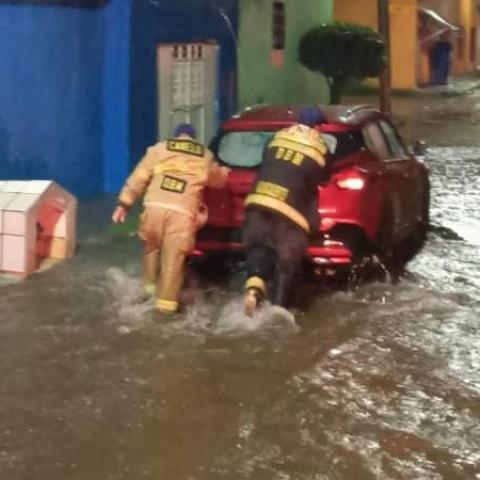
187,88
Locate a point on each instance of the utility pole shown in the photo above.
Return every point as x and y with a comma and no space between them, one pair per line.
385,80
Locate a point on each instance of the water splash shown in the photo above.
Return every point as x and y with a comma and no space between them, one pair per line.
232,320
129,302
213,312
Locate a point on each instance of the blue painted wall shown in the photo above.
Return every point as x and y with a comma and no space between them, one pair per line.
165,21
51,74
78,85
116,95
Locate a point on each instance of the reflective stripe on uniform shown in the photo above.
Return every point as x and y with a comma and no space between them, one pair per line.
255,282
166,305
150,288
189,167
126,197
315,151
279,206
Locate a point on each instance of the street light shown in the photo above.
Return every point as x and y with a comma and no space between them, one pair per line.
385,81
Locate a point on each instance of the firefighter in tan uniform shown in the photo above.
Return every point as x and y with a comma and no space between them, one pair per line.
282,210
171,176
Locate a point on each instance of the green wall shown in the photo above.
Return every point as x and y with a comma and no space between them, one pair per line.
258,80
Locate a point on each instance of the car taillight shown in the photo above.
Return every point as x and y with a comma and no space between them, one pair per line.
351,182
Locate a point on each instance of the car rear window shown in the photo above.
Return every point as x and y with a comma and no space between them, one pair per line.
348,143
244,149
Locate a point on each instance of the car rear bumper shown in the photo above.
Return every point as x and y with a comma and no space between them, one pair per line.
333,254
324,252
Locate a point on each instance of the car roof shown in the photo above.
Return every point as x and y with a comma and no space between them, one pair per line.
269,117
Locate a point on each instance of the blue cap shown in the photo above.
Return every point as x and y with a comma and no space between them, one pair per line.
185,129
311,116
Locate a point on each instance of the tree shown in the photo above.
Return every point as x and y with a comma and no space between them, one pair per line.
342,51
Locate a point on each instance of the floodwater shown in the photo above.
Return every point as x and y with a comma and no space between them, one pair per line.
378,383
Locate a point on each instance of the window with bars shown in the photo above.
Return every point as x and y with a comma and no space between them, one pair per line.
278,25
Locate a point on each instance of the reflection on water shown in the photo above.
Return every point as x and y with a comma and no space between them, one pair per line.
381,382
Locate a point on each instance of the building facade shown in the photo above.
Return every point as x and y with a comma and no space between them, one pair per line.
268,67
80,82
415,27
87,85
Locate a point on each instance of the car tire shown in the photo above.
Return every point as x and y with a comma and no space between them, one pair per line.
364,266
424,224
385,244
415,242
389,259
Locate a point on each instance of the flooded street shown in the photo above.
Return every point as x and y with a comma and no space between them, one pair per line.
378,383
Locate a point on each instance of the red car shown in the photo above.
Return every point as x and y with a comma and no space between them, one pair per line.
376,200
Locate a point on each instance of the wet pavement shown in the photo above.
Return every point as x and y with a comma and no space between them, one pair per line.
378,383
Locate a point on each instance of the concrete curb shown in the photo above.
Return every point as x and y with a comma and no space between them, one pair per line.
453,89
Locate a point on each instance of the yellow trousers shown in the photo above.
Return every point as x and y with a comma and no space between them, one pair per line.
168,237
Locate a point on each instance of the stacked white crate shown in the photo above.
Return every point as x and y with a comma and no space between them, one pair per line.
37,220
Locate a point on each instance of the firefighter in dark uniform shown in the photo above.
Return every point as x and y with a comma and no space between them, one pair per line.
282,210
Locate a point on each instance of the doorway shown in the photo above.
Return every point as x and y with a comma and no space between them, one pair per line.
187,85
